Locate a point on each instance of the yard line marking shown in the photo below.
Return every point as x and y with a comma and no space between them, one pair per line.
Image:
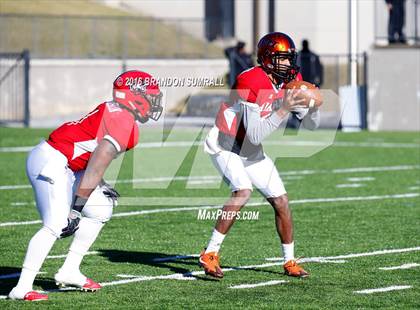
218,177
384,289
372,169
203,182
15,275
374,253
10,276
359,179
413,188
20,223
180,277
21,203
173,258
321,260
346,185
279,262
152,145
404,266
183,209
65,255
274,282
5,187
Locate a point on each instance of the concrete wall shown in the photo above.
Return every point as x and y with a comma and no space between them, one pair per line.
323,22
67,88
394,89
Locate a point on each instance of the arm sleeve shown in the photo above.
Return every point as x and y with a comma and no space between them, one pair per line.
258,128
312,119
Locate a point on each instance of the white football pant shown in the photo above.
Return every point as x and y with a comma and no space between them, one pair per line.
240,173
54,185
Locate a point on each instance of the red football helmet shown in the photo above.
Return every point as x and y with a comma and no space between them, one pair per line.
139,93
271,48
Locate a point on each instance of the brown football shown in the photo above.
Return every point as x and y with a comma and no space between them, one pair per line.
309,91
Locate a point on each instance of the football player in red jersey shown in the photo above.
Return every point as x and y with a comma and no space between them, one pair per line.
258,105
66,173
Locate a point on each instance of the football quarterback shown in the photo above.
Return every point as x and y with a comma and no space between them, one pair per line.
66,173
258,105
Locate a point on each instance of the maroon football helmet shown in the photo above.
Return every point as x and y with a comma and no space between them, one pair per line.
275,46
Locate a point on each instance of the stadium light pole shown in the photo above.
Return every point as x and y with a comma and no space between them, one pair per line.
353,36
255,24
271,15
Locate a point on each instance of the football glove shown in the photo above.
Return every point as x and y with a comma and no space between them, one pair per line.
74,217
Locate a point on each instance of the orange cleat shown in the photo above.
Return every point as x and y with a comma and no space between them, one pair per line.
292,269
210,263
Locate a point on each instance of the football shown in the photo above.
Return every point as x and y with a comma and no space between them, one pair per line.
309,91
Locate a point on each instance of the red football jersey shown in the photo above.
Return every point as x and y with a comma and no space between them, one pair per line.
252,85
77,140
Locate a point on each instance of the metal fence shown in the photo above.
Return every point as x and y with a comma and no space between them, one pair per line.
411,22
337,70
48,36
14,88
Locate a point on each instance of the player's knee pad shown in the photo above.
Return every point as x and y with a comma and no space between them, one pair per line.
98,207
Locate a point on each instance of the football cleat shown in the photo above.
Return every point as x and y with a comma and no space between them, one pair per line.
210,263
292,269
76,280
29,296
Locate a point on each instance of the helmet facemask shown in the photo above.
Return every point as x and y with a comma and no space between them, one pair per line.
282,72
156,108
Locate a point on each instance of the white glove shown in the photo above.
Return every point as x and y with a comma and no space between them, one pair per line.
300,112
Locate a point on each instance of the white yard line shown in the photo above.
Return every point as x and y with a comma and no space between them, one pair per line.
404,266
360,179
21,203
65,255
279,262
184,209
374,169
413,188
374,253
182,276
274,282
153,145
217,177
349,185
174,258
384,289
179,277
15,275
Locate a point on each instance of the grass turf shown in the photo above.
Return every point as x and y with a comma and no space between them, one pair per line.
128,245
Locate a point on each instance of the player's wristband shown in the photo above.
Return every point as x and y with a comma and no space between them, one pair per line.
78,203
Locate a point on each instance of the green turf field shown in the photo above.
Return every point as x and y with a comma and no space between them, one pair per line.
353,203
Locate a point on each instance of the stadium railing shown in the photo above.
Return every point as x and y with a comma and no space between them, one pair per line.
14,88
412,22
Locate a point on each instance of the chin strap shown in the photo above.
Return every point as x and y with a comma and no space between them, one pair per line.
134,112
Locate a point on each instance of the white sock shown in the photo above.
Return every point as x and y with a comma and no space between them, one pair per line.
215,242
288,251
38,249
83,239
